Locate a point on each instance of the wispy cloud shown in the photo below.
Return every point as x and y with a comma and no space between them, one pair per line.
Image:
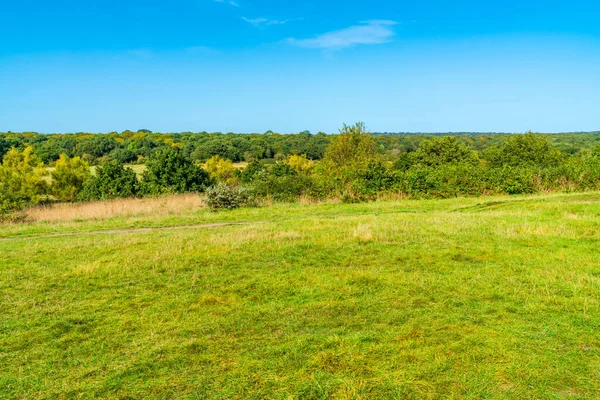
368,32
260,22
231,2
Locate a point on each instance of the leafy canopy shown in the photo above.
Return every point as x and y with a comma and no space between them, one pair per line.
353,147
21,180
68,177
528,150
222,170
444,150
112,181
169,171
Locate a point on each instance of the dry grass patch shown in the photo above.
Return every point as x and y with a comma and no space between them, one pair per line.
169,205
364,233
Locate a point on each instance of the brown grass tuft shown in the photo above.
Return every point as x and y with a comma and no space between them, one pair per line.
168,205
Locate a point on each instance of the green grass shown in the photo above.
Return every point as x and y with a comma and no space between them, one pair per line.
466,298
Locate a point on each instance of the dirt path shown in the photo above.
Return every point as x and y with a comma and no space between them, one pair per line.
125,231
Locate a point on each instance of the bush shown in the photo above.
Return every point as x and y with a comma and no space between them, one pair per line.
282,188
112,181
21,181
513,180
253,170
528,150
346,160
442,151
69,177
123,156
222,170
169,171
301,164
223,196
375,178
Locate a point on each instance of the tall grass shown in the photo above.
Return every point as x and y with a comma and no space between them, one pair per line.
159,206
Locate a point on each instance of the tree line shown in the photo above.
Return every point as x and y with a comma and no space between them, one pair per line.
352,166
136,147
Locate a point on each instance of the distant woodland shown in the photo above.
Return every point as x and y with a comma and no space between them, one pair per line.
130,147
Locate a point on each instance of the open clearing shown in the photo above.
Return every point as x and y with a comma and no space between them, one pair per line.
461,298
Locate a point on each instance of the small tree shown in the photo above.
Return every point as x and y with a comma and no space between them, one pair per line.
253,170
444,150
21,180
346,159
528,150
4,147
169,171
301,164
68,177
112,181
352,148
221,170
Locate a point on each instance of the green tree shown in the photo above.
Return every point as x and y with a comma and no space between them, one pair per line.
353,147
112,181
96,146
444,150
21,180
169,171
528,150
69,177
4,147
346,160
222,170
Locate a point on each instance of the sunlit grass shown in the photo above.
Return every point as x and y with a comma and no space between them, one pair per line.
461,298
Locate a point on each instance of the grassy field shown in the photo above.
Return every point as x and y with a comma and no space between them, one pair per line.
465,298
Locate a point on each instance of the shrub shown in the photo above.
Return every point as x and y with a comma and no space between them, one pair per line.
420,182
281,169
513,180
223,196
68,177
96,146
123,156
346,160
112,181
253,169
375,178
352,147
528,150
301,164
444,150
21,181
222,170
169,171
403,162
282,188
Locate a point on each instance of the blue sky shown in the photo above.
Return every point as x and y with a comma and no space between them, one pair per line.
254,65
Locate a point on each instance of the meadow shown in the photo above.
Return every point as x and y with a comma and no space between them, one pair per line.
492,297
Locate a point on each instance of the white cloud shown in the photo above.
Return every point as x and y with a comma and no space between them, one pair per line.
231,2
368,32
256,21
260,22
